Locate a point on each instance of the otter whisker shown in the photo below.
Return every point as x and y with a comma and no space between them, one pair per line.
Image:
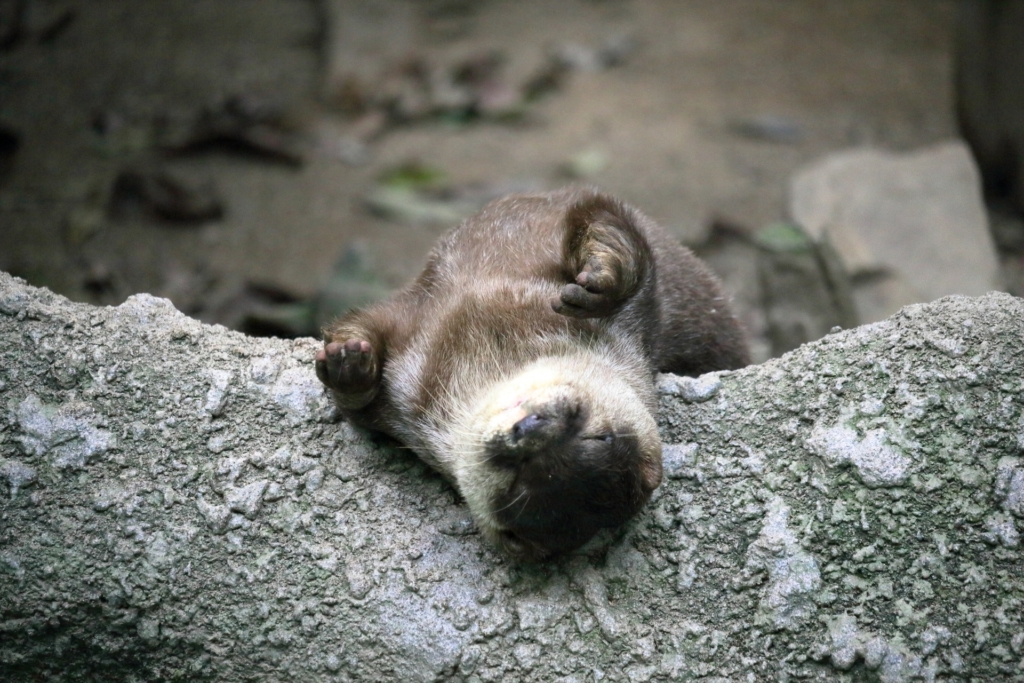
524,492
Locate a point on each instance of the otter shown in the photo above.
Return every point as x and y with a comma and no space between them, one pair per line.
520,363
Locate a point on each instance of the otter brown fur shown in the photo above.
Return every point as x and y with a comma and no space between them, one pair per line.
520,362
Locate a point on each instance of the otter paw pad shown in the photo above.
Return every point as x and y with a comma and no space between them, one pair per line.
598,290
348,367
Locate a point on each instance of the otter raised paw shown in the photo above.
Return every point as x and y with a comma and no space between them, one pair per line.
606,259
520,363
351,370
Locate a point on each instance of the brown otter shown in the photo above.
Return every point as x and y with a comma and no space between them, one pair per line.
520,362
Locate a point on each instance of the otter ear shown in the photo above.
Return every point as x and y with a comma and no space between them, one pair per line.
605,257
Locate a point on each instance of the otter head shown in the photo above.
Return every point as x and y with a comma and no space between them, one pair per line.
556,453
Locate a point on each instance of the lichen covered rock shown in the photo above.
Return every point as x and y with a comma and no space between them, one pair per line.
180,502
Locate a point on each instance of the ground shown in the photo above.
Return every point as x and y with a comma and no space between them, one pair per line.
707,117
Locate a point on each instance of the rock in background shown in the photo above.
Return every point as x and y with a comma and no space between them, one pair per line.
909,227
179,502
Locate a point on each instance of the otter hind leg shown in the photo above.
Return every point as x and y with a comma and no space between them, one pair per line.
605,257
351,369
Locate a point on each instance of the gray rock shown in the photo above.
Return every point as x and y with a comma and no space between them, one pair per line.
1010,485
247,499
17,474
788,541
917,218
691,389
793,574
66,432
217,396
678,459
877,462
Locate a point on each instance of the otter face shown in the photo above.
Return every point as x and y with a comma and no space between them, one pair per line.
560,452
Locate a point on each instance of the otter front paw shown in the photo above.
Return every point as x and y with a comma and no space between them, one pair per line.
599,288
350,369
605,258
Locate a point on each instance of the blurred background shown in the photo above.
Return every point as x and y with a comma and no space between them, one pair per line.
266,164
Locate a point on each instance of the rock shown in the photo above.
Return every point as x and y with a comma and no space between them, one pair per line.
67,433
877,462
17,475
691,389
247,499
678,459
917,218
793,575
855,505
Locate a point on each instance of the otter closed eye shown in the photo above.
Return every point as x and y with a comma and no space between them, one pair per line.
520,363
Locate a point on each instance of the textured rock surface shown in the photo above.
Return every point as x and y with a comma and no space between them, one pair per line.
917,217
178,502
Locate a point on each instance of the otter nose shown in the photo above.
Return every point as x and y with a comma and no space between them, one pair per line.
527,425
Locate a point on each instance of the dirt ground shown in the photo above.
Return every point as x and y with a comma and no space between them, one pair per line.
671,125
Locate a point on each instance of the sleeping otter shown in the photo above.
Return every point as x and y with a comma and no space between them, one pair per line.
520,362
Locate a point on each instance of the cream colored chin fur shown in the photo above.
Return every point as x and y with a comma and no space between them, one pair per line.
612,403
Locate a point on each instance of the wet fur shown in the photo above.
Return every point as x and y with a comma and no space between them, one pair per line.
570,284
